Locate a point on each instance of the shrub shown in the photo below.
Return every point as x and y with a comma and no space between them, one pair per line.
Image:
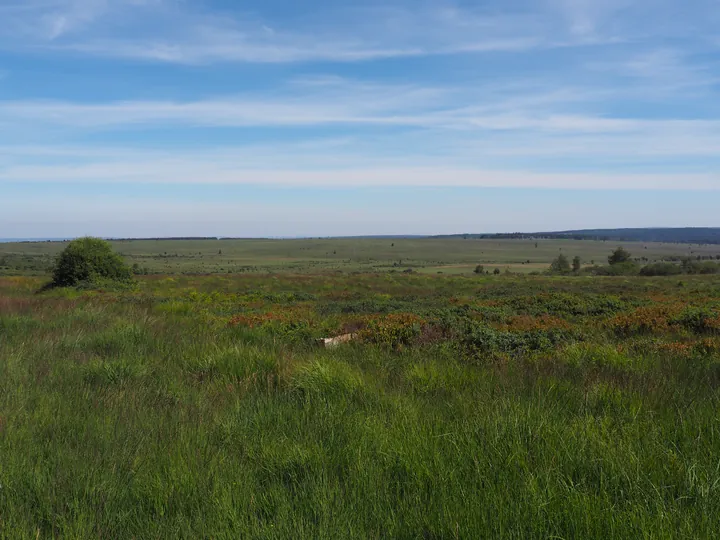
661,269
89,260
619,256
692,267
563,304
698,319
644,320
628,268
477,340
560,265
394,330
479,269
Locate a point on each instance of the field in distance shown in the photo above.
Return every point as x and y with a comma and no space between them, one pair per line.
425,255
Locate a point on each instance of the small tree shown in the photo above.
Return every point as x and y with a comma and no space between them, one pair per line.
479,269
576,264
618,256
560,265
496,271
89,259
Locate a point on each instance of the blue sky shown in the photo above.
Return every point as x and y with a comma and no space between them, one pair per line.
281,118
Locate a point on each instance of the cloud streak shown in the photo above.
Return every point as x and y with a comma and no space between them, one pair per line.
375,106
173,32
200,171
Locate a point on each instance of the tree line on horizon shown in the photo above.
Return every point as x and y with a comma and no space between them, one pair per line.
686,235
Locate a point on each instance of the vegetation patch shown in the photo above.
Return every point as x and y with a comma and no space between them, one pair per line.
506,406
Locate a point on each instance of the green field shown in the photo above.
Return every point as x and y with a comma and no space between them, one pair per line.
516,405
429,255
467,406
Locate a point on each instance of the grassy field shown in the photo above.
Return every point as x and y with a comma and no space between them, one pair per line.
428,255
467,407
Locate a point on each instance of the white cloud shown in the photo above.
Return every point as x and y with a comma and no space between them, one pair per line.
380,106
228,171
588,18
180,32
191,33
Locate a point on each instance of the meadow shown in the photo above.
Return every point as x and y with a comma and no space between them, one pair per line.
455,256
508,406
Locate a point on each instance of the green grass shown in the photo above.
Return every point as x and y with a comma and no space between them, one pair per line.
446,255
198,407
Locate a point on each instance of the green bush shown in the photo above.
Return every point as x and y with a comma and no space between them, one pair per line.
628,268
698,319
697,267
89,260
619,256
560,265
661,269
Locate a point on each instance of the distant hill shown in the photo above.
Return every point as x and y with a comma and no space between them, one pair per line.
684,235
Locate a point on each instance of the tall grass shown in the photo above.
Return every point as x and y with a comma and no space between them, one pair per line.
121,419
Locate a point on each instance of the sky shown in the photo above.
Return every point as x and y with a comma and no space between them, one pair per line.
308,118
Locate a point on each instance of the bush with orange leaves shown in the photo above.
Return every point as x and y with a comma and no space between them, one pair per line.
393,330
644,320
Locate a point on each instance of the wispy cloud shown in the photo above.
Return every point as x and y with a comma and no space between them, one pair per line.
501,134
181,171
188,33
184,33
409,106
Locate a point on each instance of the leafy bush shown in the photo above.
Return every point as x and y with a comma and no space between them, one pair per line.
89,260
395,329
563,304
661,269
476,339
705,268
644,320
627,268
619,256
688,266
698,319
560,265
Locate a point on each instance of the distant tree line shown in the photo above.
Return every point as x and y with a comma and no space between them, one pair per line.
157,239
687,235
